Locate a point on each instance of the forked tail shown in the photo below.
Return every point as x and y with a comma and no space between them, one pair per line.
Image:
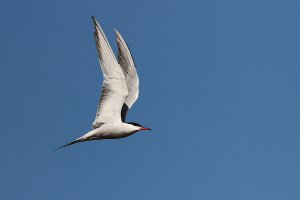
73,142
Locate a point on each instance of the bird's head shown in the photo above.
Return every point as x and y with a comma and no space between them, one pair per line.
140,127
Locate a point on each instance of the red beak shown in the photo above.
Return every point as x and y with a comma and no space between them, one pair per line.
145,129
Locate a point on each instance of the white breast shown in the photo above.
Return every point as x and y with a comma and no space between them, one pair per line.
111,131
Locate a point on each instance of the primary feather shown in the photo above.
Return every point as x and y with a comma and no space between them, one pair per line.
132,80
114,89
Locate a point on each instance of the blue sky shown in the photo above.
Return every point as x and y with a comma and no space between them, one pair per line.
219,86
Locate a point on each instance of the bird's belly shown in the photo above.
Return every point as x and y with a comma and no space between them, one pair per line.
110,132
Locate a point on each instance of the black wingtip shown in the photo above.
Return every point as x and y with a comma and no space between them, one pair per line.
94,20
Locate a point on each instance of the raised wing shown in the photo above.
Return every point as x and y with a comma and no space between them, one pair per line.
132,80
114,89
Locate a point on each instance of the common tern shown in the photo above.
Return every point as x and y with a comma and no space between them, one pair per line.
120,90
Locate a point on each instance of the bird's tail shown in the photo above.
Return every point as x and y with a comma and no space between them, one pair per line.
68,144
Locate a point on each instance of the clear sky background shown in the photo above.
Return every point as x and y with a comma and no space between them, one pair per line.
219,86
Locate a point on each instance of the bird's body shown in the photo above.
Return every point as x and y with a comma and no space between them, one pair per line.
119,91
111,131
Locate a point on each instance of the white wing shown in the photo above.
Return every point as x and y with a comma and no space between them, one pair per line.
132,80
114,89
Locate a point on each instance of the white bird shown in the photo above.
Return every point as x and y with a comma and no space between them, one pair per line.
119,91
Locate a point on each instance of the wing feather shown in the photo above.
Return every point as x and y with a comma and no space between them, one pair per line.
114,88
132,80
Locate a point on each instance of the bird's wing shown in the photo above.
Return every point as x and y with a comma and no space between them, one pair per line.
114,89
132,80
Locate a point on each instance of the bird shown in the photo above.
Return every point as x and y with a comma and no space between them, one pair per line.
120,89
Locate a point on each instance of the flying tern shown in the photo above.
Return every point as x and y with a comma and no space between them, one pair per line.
120,90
